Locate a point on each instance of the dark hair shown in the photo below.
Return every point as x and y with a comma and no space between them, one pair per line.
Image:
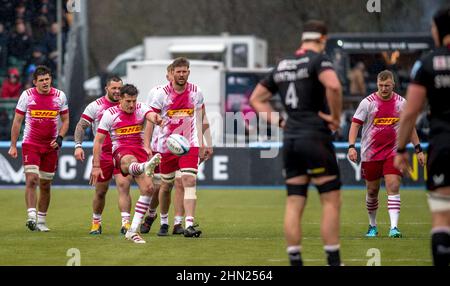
180,62
128,89
442,21
114,78
385,75
41,70
315,26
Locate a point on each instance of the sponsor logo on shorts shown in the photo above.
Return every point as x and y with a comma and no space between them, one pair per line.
180,112
44,113
386,121
316,171
129,130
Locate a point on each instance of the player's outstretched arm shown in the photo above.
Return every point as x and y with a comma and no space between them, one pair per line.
154,117
78,136
15,131
148,133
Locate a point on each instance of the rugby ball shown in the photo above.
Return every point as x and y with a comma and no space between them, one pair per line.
178,144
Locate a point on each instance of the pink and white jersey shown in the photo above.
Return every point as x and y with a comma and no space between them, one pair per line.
42,112
126,129
380,120
94,113
179,112
156,128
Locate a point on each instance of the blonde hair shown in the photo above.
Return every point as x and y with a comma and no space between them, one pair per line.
385,75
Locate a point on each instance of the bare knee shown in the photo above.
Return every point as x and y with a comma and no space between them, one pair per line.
32,181
189,181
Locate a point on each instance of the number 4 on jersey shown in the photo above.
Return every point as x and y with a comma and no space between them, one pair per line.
291,96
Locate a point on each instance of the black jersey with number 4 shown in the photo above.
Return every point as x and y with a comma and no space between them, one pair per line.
433,72
296,79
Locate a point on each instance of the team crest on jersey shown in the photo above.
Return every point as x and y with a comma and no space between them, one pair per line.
129,130
180,112
385,121
43,113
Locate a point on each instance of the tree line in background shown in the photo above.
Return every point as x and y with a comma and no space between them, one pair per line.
115,26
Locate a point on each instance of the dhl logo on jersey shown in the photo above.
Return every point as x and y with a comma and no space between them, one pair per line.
386,121
44,113
180,112
129,130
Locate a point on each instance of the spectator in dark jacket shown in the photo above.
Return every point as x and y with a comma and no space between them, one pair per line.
3,50
19,44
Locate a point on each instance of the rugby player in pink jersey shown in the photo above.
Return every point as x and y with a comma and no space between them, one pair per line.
124,124
379,114
91,117
181,105
150,141
42,107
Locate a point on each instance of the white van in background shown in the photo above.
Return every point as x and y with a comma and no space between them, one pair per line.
118,66
245,52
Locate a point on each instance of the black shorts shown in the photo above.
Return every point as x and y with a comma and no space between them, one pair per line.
438,166
309,156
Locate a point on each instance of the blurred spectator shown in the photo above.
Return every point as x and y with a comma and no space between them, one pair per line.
51,42
357,80
44,11
7,13
19,44
22,13
3,50
11,87
39,31
5,132
38,57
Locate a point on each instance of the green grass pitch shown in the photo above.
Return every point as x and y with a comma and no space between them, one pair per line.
240,227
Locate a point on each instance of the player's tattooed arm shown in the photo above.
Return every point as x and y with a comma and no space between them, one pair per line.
80,130
78,136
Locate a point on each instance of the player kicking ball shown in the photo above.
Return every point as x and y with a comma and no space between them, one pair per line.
125,125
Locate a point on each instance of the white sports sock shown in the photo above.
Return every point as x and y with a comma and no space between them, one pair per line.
178,220
152,212
31,213
372,207
139,211
135,169
97,218
164,218
125,217
41,217
189,221
394,203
